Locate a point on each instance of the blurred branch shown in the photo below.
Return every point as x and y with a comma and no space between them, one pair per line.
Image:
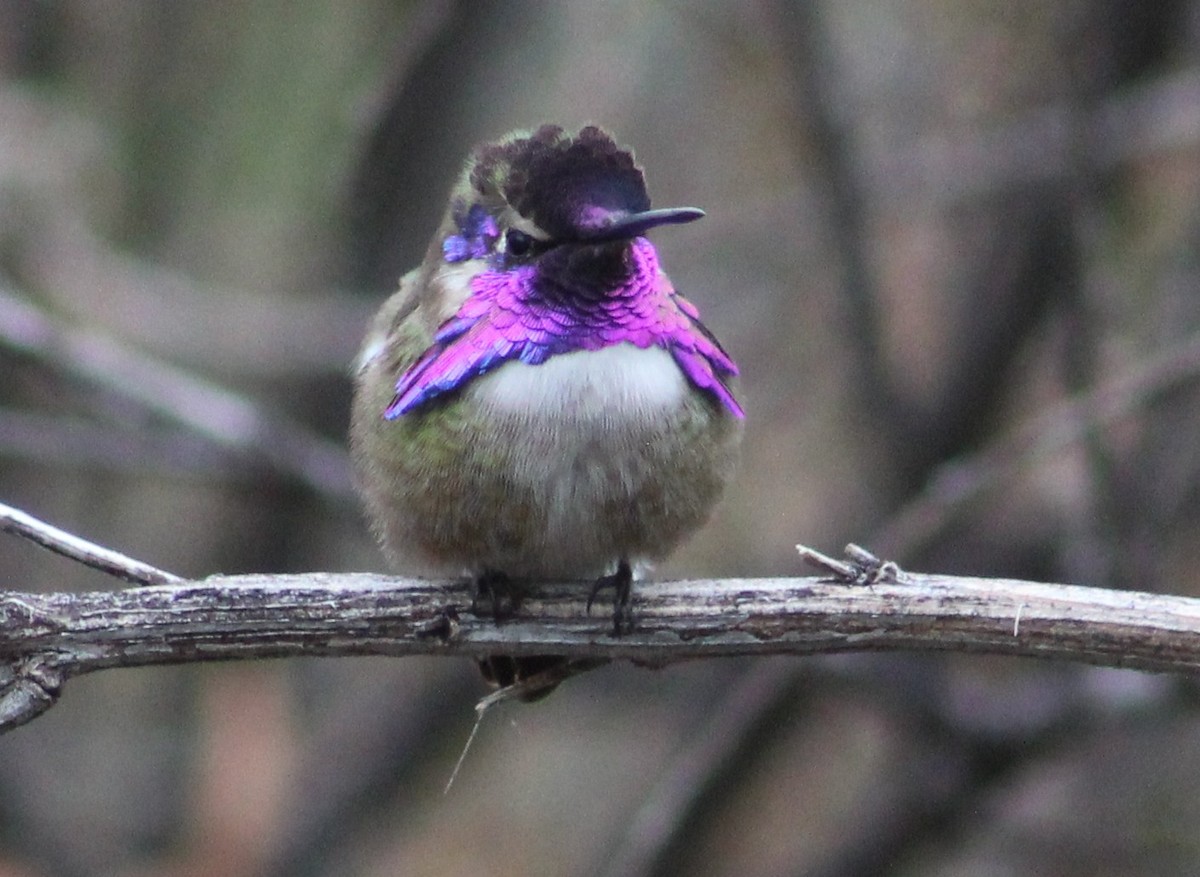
1011,288
245,331
49,159
1136,123
957,483
212,411
47,638
77,442
820,118
696,771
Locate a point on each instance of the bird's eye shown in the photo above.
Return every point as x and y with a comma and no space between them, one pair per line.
517,242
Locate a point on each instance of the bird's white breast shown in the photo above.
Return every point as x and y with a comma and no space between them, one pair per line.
618,384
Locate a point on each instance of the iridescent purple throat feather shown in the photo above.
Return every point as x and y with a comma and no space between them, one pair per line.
509,317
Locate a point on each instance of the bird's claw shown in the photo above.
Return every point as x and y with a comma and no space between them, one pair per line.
621,582
498,592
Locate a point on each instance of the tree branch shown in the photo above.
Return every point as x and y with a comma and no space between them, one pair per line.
47,638
867,605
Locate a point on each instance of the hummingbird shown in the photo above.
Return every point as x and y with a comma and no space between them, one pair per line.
537,401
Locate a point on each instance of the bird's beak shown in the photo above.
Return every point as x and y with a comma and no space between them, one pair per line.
630,225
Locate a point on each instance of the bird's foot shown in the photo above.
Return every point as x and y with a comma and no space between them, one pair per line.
621,582
497,591
536,675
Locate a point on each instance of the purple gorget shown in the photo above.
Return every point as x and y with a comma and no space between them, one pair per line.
510,316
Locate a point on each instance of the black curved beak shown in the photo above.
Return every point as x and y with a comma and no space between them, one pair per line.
633,224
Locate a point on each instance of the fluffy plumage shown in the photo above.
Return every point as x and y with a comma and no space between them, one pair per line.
537,399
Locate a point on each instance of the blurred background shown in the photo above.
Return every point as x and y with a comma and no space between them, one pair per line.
955,248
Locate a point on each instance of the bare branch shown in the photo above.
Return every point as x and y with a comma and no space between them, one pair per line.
88,553
47,638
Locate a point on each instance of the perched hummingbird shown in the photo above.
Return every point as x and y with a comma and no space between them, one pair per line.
537,401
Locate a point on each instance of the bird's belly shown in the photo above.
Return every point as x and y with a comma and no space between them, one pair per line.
562,468
583,441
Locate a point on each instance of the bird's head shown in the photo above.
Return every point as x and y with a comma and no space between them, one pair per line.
569,203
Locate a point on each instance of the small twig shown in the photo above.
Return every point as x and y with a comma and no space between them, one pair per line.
480,711
527,689
88,553
842,571
863,568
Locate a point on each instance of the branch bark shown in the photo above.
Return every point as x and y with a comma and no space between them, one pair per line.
47,638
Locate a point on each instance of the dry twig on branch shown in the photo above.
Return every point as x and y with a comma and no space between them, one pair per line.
47,638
